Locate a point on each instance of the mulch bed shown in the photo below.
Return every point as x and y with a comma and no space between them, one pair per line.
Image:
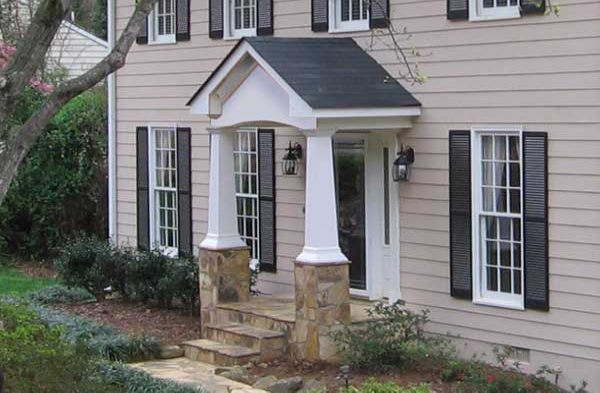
138,319
331,376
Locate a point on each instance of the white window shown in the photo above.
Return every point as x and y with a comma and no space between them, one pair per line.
348,15
493,9
498,217
240,17
246,186
162,22
164,226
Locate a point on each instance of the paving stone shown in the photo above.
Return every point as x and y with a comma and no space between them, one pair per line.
287,385
312,385
265,382
170,352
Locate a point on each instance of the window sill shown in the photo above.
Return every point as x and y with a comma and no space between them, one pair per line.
499,303
340,30
163,42
497,16
239,36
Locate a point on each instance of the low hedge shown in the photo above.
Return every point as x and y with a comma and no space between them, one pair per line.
95,264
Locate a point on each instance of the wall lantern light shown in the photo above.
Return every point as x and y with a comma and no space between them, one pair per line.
401,167
290,160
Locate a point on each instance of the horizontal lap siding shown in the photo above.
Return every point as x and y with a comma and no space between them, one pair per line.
542,72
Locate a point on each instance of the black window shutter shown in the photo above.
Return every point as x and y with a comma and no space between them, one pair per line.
264,17
320,15
380,13
533,7
535,217
143,201
457,9
183,20
215,18
142,37
266,199
184,190
461,277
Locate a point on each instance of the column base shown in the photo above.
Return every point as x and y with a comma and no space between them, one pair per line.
224,278
322,306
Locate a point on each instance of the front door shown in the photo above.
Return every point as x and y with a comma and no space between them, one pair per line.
367,215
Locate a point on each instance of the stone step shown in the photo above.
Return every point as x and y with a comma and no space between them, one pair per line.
258,317
271,344
219,354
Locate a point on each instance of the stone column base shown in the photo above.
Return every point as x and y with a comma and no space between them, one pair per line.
322,306
224,278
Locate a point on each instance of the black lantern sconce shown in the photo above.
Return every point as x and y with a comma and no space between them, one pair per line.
290,160
401,167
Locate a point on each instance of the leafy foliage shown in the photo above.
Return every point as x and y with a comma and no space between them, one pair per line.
96,264
34,358
103,340
372,386
59,189
59,295
137,381
393,338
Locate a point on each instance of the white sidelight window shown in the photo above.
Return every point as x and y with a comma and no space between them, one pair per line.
164,225
493,9
162,25
241,17
246,186
349,15
498,217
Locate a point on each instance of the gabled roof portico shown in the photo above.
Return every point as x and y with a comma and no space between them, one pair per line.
319,86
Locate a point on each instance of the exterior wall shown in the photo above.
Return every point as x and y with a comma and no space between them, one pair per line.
541,72
76,50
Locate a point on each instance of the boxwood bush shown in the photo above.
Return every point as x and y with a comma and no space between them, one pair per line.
95,265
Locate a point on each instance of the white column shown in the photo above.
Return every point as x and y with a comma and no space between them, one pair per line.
222,231
321,243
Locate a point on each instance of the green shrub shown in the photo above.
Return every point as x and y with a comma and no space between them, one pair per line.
88,263
104,340
137,381
143,275
393,338
34,358
372,386
59,295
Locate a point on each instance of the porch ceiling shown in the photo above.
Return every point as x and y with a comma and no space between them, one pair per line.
308,83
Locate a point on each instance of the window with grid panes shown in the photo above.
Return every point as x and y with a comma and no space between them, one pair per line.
164,231
351,15
499,213
246,185
243,17
494,9
163,21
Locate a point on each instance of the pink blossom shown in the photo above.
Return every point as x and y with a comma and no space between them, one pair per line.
6,51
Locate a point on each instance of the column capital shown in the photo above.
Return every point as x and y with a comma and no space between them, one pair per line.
319,132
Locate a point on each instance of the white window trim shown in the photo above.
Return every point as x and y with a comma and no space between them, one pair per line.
172,252
336,25
508,301
155,39
229,33
254,262
477,13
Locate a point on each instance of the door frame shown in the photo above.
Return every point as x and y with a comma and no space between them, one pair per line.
382,260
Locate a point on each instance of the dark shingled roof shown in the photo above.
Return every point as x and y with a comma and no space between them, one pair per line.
331,73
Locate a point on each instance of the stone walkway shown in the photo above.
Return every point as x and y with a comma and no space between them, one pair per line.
193,373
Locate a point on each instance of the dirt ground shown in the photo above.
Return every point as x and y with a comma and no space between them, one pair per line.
331,376
138,319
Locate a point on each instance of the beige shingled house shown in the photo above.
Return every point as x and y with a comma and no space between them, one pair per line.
278,133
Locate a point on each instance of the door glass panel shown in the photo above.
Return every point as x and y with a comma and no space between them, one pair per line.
350,190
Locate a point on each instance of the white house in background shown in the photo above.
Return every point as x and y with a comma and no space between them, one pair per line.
76,50
496,231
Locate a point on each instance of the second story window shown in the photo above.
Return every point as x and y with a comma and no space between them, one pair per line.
243,18
349,15
162,25
493,9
